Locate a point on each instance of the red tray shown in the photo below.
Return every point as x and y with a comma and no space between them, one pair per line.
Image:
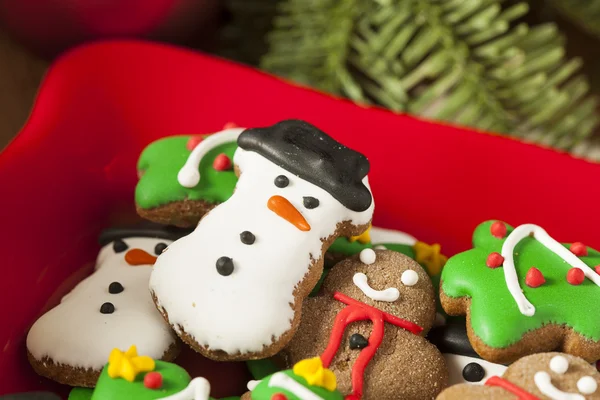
71,171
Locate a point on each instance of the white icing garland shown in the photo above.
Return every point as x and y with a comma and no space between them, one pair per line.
282,381
390,294
198,389
543,381
189,174
510,273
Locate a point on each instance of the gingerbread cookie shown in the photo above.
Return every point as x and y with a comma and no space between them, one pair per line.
158,195
368,326
523,292
112,307
463,363
233,288
555,376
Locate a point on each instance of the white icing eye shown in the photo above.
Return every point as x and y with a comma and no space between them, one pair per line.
587,385
559,364
409,277
368,256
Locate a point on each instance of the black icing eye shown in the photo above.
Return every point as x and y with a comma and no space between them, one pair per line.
119,246
282,181
224,266
473,372
159,248
310,202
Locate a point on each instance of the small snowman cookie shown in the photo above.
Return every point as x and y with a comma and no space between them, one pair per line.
233,288
111,308
543,376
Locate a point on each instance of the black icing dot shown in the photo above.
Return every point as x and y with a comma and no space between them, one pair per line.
358,341
159,248
225,266
247,237
115,288
107,308
310,202
473,372
119,246
282,181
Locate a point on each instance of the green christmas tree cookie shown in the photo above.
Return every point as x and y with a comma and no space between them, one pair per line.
523,293
160,197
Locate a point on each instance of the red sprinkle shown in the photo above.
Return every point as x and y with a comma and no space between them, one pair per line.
579,249
153,380
193,142
222,162
498,229
230,125
597,268
494,260
279,396
575,276
534,278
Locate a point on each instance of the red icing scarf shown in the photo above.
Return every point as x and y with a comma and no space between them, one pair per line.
521,393
359,311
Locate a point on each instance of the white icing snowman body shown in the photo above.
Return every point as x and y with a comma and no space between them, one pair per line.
252,306
110,309
456,365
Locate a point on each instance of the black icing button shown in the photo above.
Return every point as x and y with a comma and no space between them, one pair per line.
247,237
473,372
358,341
115,288
119,246
159,248
107,308
310,202
282,181
225,266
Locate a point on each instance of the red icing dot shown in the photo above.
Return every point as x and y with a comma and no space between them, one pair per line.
534,278
579,249
498,229
575,276
279,396
193,142
230,125
597,269
222,162
494,260
153,380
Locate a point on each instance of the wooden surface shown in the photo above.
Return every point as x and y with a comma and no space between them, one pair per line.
20,76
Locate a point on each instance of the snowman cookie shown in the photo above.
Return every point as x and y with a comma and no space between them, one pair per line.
158,195
464,364
111,308
233,288
553,376
523,292
368,327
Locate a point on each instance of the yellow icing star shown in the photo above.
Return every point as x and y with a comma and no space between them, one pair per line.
128,364
363,238
312,370
430,256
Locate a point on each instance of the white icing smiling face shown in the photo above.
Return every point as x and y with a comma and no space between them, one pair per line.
559,365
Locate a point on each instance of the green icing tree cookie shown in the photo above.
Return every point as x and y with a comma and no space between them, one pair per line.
547,301
159,196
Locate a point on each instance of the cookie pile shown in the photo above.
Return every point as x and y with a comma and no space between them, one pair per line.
261,250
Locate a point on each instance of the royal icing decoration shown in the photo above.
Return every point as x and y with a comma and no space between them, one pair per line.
282,381
198,389
575,276
315,374
498,229
189,175
127,364
368,256
250,308
389,295
559,364
543,381
110,309
409,277
587,385
510,273
534,278
521,393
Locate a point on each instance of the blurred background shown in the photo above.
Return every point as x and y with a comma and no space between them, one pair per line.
529,68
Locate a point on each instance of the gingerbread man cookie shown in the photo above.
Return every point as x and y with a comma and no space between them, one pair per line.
233,288
523,292
368,325
111,308
552,376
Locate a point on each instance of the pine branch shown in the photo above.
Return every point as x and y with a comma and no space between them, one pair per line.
469,62
584,13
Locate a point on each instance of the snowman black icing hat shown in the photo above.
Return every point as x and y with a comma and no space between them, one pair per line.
143,229
309,153
452,338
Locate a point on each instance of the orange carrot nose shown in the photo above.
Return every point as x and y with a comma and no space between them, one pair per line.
282,207
139,257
